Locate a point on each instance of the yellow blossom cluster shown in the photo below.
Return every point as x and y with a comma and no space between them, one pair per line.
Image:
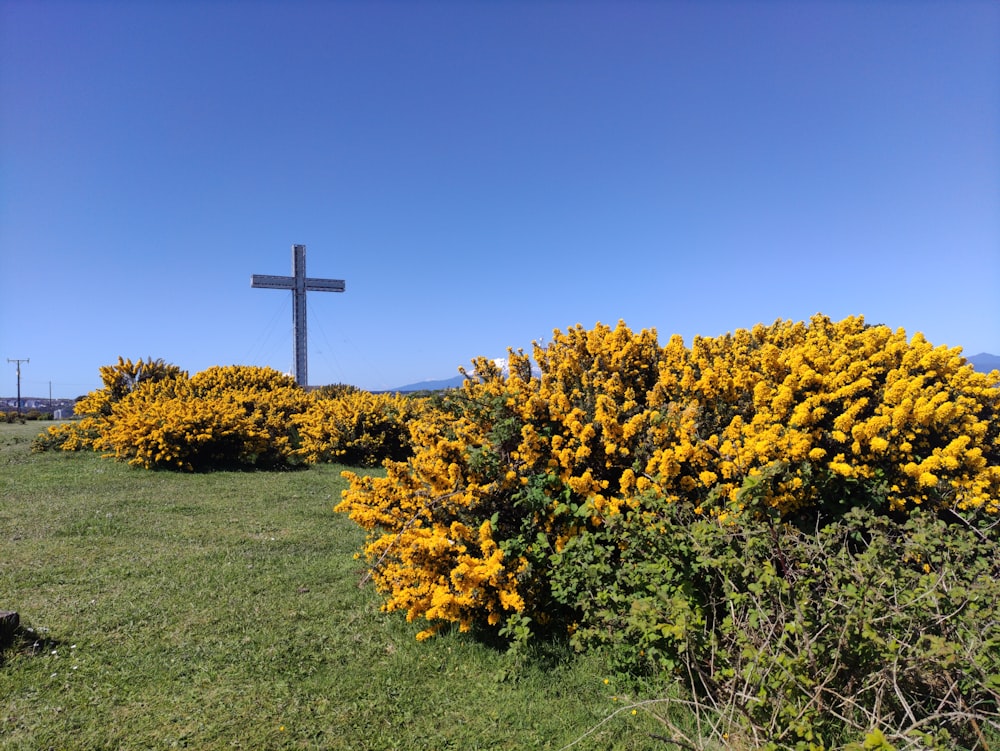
269,400
816,415
355,427
842,407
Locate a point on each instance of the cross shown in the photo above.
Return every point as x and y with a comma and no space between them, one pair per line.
298,283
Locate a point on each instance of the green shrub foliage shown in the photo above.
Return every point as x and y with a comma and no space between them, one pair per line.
802,638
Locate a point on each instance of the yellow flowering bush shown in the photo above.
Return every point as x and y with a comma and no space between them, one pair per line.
355,427
119,380
816,417
726,512
153,415
504,471
168,426
268,399
432,546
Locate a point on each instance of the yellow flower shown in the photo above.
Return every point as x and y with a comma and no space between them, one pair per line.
841,468
878,444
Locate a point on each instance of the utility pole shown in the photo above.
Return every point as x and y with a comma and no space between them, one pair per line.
18,382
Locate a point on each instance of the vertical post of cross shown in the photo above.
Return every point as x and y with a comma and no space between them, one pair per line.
299,336
299,284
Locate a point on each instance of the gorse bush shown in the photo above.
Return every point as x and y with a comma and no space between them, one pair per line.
94,409
558,502
268,398
355,427
165,426
222,417
823,417
157,417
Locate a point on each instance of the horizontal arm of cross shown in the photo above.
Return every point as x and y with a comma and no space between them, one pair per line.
272,282
325,285
268,281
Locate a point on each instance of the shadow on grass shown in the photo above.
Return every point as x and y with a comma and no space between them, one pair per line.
211,467
25,641
547,650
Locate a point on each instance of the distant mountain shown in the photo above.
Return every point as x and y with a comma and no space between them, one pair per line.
984,362
451,383
447,383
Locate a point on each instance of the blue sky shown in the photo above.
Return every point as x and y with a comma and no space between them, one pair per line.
481,173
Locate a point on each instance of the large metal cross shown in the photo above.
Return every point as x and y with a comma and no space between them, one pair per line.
298,283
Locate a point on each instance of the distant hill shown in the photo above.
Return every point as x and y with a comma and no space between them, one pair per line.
450,383
984,362
447,383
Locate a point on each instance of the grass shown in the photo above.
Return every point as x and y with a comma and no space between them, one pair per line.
222,610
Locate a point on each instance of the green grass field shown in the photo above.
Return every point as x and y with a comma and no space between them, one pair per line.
222,610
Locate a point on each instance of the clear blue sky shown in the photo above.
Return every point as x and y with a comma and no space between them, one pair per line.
481,173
